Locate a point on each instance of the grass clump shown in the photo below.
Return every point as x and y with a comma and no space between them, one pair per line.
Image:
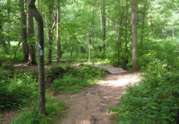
154,100
54,109
16,90
77,78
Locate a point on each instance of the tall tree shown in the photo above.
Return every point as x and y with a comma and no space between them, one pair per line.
134,34
50,29
30,34
58,37
8,4
126,31
41,70
89,46
103,10
23,30
144,12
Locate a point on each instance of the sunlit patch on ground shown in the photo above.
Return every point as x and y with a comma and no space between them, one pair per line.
92,105
121,80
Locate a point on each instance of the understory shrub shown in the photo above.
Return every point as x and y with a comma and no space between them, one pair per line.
162,50
77,78
54,110
155,100
56,71
16,90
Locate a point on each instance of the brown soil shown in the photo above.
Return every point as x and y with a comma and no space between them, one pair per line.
92,106
7,117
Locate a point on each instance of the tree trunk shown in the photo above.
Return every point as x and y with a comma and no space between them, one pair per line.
32,54
126,31
50,38
126,36
134,34
119,34
50,30
89,46
30,34
41,70
104,25
58,32
23,30
9,22
143,23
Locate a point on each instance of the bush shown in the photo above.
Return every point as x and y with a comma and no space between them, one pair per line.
164,51
16,91
54,109
56,71
154,100
77,78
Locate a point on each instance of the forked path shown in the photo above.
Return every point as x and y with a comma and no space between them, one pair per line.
92,105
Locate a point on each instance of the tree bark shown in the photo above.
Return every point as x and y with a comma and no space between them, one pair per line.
23,30
58,32
41,70
89,46
143,23
50,38
104,25
134,34
30,35
126,30
9,21
50,30
126,36
119,33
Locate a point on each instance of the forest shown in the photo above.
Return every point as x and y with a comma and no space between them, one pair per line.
89,62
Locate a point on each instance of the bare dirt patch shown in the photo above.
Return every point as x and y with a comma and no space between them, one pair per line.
7,117
92,105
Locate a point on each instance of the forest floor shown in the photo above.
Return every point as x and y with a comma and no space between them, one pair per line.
92,105
7,117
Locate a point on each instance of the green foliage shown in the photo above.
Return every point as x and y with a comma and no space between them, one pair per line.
56,71
54,109
155,99
80,30
162,50
16,90
77,78
10,55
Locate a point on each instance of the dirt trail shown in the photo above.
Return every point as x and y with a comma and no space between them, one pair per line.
91,106
7,117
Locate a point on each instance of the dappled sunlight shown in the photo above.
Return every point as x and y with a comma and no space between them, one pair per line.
92,105
121,80
83,122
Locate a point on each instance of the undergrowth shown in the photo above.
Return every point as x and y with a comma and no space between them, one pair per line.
155,100
54,109
75,79
19,93
16,89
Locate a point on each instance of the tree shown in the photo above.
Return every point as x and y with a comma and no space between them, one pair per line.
103,11
23,30
50,29
35,13
31,41
134,34
58,37
144,12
